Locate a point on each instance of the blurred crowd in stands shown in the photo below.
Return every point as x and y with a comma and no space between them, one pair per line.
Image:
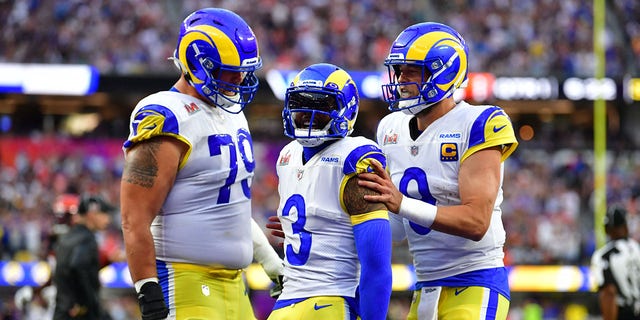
510,38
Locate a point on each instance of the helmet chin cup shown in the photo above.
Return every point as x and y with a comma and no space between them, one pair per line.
228,104
310,142
415,109
412,106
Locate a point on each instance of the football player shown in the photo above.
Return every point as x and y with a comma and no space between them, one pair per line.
337,246
185,192
444,180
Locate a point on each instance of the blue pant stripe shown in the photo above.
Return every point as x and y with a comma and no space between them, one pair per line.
163,276
492,305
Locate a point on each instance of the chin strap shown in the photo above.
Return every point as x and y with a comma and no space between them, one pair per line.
179,65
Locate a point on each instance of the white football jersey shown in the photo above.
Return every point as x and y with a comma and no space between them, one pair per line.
206,217
427,169
320,252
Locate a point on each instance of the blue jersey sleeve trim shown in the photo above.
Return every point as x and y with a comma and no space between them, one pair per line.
477,136
365,151
170,119
152,120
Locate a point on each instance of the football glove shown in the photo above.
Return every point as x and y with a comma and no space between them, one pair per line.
276,289
151,300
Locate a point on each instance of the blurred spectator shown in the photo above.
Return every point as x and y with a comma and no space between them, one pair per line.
77,262
510,38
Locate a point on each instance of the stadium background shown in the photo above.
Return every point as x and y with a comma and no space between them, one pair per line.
533,58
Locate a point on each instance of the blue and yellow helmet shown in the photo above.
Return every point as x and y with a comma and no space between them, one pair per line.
320,104
442,54
213,40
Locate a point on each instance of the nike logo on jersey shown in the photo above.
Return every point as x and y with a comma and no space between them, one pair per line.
496,129
459,290
318,307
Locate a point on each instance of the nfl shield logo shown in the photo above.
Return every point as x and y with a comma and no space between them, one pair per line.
299,175
414,150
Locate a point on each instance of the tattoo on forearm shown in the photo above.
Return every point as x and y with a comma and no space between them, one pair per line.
354,198
141,167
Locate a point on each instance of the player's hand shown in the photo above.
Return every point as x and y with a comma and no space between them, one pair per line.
276,289
380,182
276,227
151,300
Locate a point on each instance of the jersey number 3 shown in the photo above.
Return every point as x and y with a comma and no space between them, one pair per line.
298,258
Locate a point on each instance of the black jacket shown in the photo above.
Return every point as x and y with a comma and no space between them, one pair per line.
76,274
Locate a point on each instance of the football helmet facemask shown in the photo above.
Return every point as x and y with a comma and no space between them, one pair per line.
213,44
440,52
320,104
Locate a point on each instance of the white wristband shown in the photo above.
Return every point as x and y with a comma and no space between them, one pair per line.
140,283
418,211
